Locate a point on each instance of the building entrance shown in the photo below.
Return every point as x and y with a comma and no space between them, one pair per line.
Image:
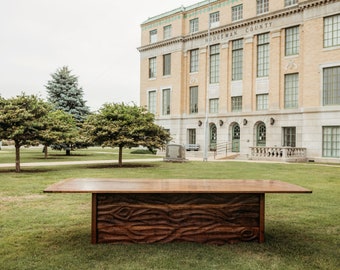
261,134
213,137
235,138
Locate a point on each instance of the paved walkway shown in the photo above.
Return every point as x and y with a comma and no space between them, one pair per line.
63,163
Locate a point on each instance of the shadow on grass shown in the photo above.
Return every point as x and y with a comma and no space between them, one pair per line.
292,242
50,169
60,156
282,236
25,170
124,166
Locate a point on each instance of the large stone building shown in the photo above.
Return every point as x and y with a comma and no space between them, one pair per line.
260,78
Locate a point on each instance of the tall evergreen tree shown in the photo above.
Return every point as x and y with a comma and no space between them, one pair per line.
65,94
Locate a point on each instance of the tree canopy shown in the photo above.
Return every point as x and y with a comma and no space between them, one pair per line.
65,94
124,126
60,127
22,120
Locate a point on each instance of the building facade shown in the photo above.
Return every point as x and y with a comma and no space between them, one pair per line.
255,76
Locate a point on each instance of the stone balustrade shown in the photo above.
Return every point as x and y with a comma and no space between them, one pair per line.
289,154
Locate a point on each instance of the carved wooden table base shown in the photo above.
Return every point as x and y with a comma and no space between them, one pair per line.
163,218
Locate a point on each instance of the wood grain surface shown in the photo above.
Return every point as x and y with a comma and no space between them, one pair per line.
122,185
163,218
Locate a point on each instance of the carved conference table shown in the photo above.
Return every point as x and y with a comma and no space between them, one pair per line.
214,211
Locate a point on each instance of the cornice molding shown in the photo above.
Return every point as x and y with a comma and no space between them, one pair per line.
299,8
162,43
313,3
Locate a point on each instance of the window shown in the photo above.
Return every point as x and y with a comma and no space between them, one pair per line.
292,41
152,67
262,102
214,64
262,6
263,55
193,25
214,19
236,104
152,102
289,136
237,60
193,99
290,2
194,60
153,36
331,86
192,136
213,105
237,13
331,31
291,94
331,142
166,64
166,102
167,31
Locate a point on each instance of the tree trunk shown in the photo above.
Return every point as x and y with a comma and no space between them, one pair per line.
17,157
120,156
68,151
45,151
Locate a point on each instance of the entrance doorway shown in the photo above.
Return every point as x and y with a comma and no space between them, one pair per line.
261,134
235,138
213,137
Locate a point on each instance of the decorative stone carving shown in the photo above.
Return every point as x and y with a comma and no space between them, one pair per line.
193,80
291,65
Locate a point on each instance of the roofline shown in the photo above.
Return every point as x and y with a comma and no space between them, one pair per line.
179,10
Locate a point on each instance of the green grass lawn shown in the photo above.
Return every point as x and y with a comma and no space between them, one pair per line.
52,231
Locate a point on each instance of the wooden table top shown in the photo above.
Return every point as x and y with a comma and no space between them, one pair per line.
122,185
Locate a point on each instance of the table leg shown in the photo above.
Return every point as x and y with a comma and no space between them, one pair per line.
94,235
262,220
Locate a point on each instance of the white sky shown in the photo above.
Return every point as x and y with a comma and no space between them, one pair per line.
96,39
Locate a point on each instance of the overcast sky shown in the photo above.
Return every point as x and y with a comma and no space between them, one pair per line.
96,39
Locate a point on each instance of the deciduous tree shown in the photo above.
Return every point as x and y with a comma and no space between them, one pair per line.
22,120
60,127
124,126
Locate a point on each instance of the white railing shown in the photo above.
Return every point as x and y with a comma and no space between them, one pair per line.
297,154
222,148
